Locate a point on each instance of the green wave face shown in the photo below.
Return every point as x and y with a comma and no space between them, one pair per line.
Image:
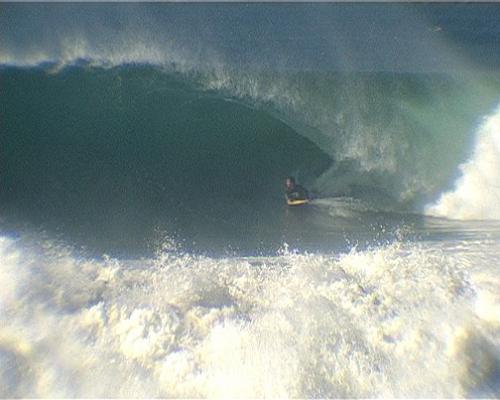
100,152
118,154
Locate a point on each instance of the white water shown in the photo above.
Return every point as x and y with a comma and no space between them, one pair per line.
405,320
477,192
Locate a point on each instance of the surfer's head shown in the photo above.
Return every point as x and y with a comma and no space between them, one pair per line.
290,182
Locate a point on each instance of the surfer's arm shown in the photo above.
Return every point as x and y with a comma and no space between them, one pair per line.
301,193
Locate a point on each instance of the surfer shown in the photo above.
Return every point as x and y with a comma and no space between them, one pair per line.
295,192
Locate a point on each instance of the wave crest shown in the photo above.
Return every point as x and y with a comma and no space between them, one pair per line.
477,191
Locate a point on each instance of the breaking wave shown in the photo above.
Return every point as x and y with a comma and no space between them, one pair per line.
477,192
403,320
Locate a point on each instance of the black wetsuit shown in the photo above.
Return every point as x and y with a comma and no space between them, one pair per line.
297,193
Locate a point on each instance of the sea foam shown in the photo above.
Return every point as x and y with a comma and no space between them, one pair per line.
477,191
399,320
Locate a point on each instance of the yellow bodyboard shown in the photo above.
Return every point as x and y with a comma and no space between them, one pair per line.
298,202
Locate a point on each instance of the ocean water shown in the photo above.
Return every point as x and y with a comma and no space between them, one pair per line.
145,246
